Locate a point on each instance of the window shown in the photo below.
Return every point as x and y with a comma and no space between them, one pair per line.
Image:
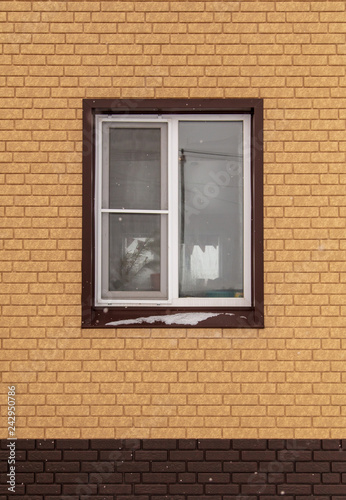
172,213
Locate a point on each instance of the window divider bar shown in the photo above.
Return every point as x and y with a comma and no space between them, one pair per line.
129,211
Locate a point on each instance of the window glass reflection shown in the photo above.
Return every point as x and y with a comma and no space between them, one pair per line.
134,168
211,209
135,253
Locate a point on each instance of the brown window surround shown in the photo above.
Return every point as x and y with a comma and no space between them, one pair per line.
219,317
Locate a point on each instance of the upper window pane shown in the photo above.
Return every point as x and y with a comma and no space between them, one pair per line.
134,158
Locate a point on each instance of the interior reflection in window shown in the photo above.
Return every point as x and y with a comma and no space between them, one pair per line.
211,209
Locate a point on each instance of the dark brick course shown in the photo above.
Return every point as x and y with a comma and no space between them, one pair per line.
169,469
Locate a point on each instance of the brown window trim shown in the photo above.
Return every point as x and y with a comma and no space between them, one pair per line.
243,317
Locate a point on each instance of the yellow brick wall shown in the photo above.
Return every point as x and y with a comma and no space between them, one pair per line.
288,380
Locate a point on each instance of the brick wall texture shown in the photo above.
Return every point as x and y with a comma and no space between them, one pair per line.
170,469
285,381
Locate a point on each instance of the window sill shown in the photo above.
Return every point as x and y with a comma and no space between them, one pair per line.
126,317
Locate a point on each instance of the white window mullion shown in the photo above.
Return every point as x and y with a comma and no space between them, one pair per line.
174,209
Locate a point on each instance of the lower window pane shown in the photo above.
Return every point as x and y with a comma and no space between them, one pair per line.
137,263
211,209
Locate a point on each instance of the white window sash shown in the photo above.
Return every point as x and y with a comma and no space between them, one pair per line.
172,212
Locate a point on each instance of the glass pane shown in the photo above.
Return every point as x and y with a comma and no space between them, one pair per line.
135,163
137,259
211,209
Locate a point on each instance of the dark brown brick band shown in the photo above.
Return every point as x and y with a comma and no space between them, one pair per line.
169,469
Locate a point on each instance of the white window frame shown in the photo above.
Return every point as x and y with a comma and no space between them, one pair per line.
173,299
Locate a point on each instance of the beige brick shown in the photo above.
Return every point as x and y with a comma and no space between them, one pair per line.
210,343
230,354
159,410
333,421
187,377
207,333
153,355
160,377
211,377
248,377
